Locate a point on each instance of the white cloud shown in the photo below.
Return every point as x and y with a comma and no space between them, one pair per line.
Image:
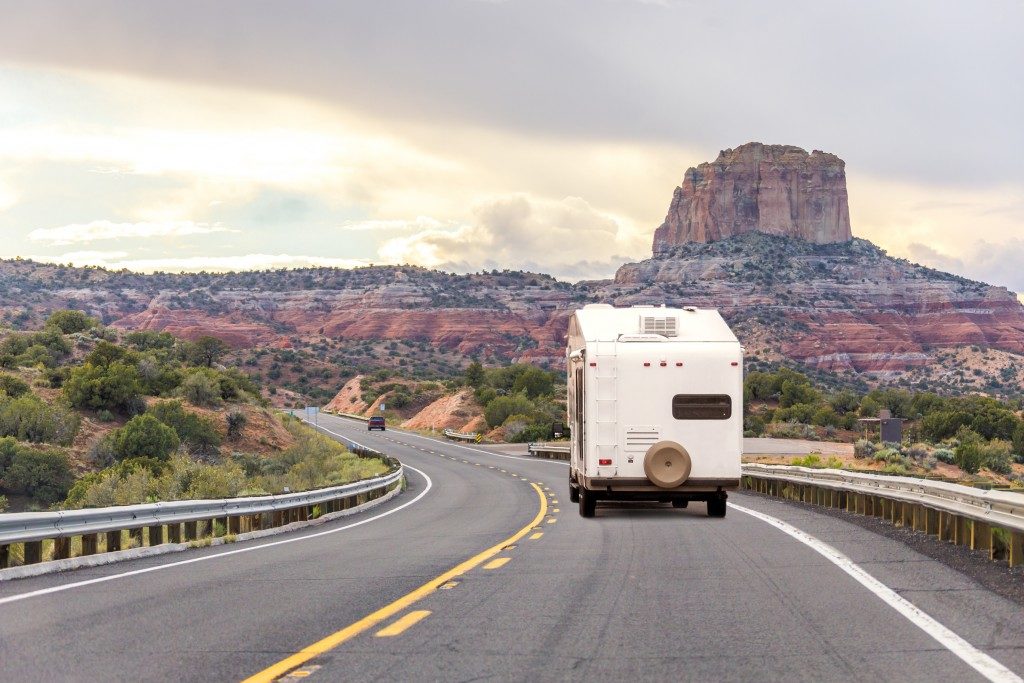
568,237
108,230
117,260
996,264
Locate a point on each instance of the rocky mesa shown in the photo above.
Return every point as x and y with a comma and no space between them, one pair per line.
773,189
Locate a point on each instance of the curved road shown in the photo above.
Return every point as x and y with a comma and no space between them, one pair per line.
643,592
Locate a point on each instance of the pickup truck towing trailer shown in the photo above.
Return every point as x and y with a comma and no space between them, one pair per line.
655,404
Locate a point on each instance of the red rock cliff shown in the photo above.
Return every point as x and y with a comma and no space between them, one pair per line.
775,189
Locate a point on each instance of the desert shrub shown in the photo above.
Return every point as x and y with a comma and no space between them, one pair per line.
918,451
236,421
3,503
500,408
798,391
791,430
944,455
70,322
13,386
30,419
896,468
534,382
968,453
8,449
113,387
810,460
156,378
144,436
997,456
148,340
202,389
197,433
863,448
43,475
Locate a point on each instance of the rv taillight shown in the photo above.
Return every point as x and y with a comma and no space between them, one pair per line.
663,364
647,365
593,364
734,363
604,461
679,364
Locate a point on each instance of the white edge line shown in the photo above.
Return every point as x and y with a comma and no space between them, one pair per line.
204,558
973,657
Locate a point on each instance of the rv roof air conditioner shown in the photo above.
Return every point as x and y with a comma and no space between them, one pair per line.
666,326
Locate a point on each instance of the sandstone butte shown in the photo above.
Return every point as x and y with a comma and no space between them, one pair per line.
762,234
774,189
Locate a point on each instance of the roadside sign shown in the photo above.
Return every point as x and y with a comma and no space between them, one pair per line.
382,407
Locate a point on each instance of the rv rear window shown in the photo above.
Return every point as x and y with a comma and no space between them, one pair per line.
701,407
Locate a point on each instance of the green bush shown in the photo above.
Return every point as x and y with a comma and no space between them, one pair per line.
3,503
13,386
864,448
45,476
69,322
114,387
30,419
144,436
534,382
997,456
206,351
499,409
202,389
944,455
197,433
968,453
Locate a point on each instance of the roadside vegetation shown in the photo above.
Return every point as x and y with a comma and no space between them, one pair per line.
972,432
523,400
92,416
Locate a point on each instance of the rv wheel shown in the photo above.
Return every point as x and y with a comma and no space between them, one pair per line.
574,494
716,506
588,504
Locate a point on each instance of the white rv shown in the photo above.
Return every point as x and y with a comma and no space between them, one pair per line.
656,406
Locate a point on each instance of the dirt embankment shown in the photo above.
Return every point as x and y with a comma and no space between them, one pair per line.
456,411
349,398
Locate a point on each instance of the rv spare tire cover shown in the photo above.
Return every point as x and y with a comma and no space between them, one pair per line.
667,464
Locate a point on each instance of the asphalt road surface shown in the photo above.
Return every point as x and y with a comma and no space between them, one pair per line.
640,592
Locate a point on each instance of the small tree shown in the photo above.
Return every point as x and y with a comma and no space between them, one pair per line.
114,387
13,386
969,453
69,322
144,436
475,374
206,351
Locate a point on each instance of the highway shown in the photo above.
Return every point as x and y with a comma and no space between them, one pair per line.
648,593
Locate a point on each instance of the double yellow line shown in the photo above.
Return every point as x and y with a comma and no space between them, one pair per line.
332,641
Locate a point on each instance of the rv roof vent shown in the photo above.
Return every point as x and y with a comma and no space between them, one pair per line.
667,326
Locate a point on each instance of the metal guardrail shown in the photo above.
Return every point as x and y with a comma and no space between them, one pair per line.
237,515
459,436
551,451
983,520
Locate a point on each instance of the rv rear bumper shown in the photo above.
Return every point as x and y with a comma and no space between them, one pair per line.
642,488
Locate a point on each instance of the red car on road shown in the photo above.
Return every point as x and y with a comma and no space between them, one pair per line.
375,423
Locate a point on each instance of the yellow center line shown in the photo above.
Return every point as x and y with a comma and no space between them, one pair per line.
332,641
497,562
400,625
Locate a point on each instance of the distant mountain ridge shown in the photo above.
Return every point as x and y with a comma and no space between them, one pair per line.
762,234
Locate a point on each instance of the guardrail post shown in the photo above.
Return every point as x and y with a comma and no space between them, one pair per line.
959,530
5,556
90,544
907,512
156,534
33,552
943,526
1016,549
234,525
113,541
61,548
174,533
981,536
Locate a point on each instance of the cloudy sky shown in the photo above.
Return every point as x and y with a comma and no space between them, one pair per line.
469,134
